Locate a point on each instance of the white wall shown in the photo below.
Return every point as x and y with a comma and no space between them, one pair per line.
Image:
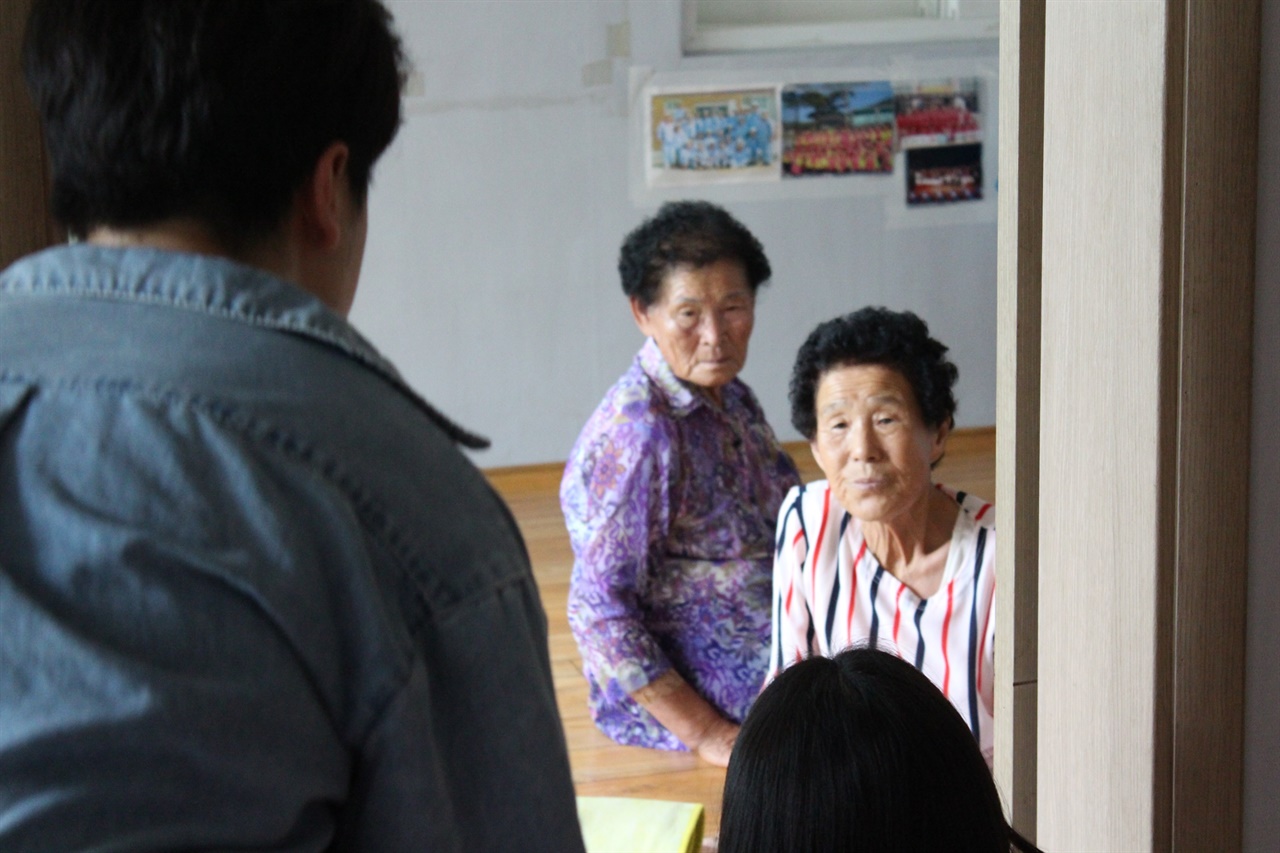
495,219
1262,675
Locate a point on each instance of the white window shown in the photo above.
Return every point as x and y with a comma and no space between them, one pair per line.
727,26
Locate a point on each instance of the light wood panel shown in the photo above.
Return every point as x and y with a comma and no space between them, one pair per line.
1103,543
601,767
1149,159
1018,403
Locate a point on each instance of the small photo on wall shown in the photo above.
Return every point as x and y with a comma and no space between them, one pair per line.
837,128
949,173
711,136
938,112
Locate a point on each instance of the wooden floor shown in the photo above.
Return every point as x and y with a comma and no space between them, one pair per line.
601,767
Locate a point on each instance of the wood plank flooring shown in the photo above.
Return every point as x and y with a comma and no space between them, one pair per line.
601,767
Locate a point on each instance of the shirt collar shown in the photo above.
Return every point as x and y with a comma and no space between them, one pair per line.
682,397
208,285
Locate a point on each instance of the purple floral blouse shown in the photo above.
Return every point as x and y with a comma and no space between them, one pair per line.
671,503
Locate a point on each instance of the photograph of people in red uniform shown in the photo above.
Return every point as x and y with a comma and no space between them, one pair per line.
945,173
938,113
837,128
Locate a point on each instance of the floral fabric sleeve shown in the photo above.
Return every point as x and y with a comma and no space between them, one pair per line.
616,505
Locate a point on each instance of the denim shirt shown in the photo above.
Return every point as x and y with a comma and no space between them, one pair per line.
251,594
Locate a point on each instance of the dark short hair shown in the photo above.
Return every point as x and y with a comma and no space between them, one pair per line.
858,752
211,109
895,339
687,234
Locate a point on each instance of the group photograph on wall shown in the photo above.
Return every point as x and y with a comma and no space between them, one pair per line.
837,128
841,130
706,136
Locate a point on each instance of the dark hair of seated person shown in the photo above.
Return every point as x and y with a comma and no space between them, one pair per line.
860,752
691,234
210,110
896,339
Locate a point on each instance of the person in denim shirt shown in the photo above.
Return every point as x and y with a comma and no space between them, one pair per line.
252,596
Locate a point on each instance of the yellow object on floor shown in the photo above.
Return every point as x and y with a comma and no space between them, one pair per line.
629,825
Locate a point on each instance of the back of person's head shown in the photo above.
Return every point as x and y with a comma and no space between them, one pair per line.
858,752
215,110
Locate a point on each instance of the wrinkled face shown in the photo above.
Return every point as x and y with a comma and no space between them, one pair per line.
701,321
872,442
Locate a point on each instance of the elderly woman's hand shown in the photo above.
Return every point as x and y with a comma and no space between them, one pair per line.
688,716
717,743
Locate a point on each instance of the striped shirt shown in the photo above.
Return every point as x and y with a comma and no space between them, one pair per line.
830,592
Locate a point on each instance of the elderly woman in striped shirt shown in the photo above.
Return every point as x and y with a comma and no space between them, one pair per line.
877,553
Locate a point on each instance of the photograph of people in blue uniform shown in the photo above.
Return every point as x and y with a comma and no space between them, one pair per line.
712,135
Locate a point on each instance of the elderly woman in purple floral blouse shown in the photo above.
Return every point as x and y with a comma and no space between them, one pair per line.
671,495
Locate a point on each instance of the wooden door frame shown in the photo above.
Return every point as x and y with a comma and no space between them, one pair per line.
25,224
1018,403
1133,243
